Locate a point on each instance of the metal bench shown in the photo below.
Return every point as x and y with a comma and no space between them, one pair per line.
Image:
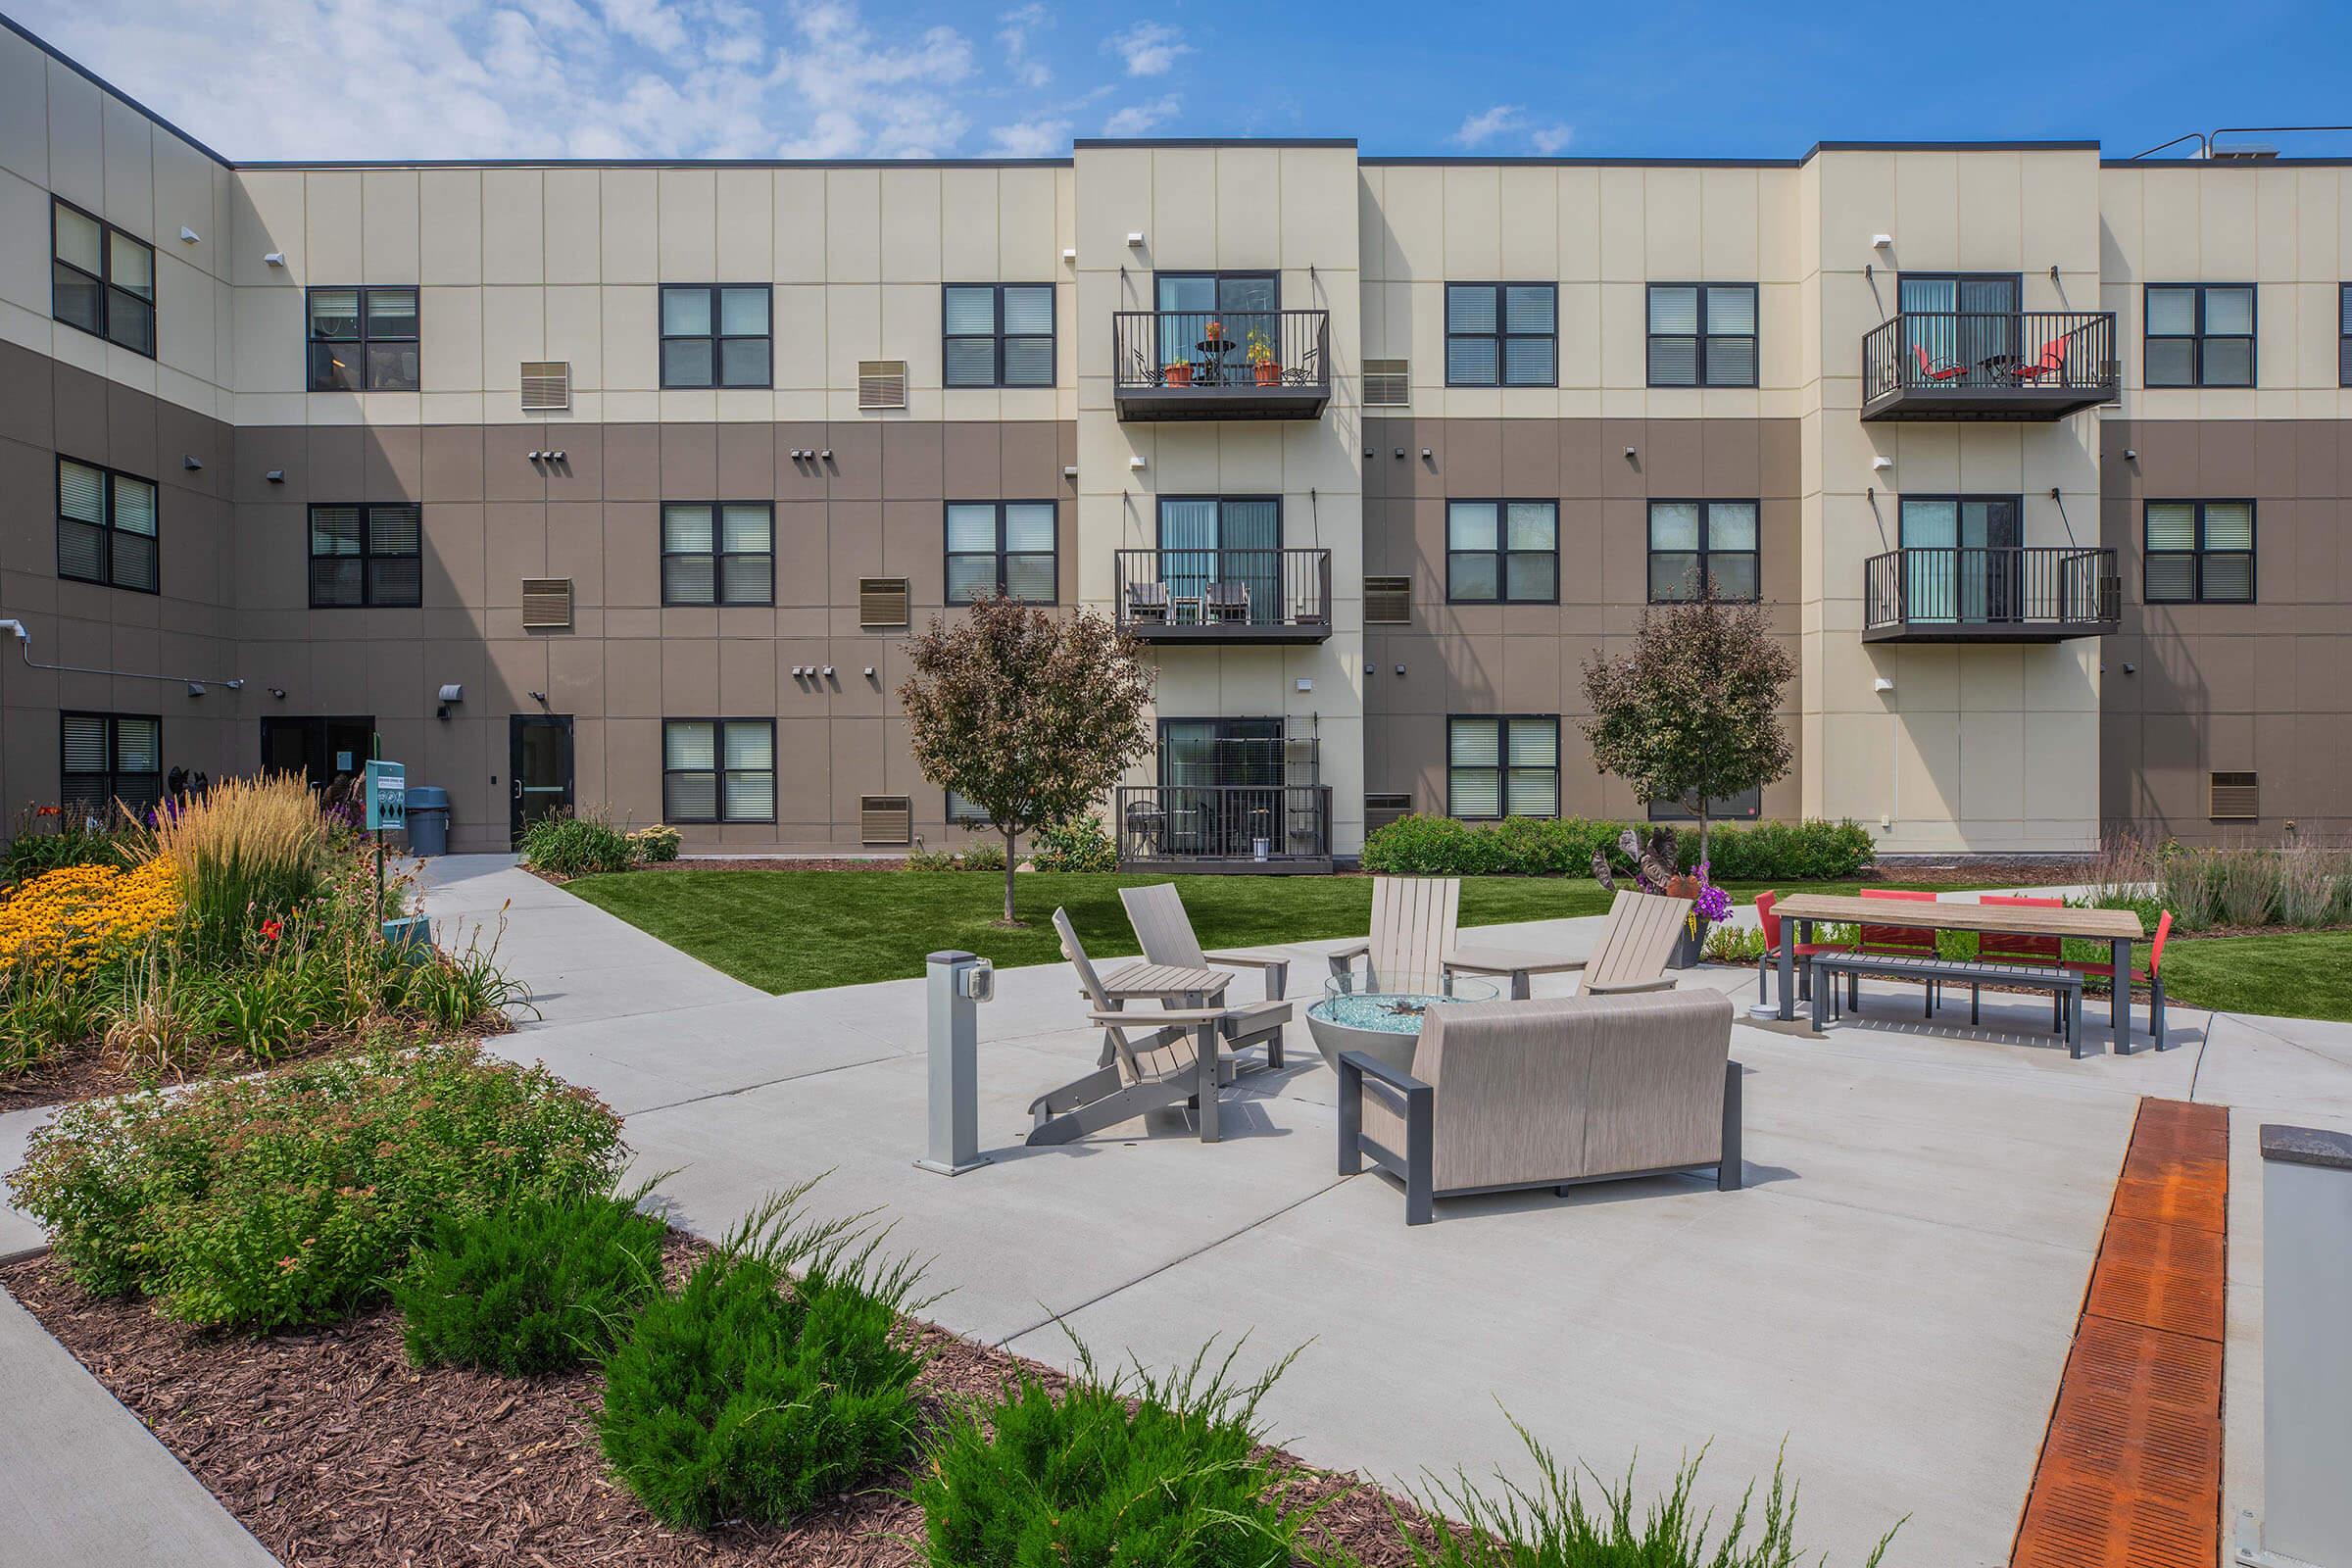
2065,985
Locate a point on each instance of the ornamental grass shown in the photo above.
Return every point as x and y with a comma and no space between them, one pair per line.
248,850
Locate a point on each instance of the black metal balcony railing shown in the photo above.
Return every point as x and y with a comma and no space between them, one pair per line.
1221,365
2040,593
1225,827
2019,365
1224,596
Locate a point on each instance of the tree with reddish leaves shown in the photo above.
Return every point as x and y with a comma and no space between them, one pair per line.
1028,716
1691,713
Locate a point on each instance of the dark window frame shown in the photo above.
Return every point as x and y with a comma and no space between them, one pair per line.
715,337
113,773
108,234
1706,552
367,338
1502,761
961,812
2344,339
717,771
2198,553
1700,337
719,556
368,554
1502,335
106,525
2197,338
1502,552
1673,811
999,554
998,337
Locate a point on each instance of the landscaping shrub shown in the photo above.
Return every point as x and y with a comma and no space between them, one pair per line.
538,1286
576,844
931,860
657,843
1733,944
1440,846
981,854
33,849
1547,1524
747,1394
73,921
1132,1469
2205,886
246,850
1076,846
293,1197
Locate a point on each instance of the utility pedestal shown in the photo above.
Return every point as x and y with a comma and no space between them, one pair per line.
959,982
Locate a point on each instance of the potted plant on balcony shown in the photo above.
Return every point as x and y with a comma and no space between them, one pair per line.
1261,358
1177,372
1214,332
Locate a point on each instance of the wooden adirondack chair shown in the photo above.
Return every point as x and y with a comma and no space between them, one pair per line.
1165,931
1412,931
1151,1061
1640,936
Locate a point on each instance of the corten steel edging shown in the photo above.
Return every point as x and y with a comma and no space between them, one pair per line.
2129,1474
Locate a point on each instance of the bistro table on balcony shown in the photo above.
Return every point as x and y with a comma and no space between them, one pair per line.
1210,371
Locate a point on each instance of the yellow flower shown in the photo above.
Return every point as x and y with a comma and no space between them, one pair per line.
76,917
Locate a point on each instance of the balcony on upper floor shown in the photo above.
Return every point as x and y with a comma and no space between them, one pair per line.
1989,364
1227,597
1211,364
1998,594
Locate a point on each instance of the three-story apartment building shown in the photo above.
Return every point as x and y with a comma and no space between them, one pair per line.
623,484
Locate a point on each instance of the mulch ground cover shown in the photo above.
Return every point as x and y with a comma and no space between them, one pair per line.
335,1452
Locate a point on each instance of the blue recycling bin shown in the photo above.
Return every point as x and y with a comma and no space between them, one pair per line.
428,820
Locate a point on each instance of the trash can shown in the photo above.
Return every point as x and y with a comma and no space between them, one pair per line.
429,820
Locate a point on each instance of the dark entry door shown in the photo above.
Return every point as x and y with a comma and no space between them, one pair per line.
539,763
325,751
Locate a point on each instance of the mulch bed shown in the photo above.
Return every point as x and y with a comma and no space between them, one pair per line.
336,1452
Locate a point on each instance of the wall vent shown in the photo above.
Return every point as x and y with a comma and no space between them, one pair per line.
1388,383
881,384
882,601
1382,809
1388,601
546,386
885,819
2232,798
546,604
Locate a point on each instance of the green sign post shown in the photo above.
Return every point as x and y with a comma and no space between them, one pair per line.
386,795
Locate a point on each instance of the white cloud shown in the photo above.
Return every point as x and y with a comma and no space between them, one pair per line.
1140,120
1550,139
1149,48
1014,33
1031,138
1512,119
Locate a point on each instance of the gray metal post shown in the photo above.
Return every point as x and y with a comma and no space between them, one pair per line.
2306,1353
959,983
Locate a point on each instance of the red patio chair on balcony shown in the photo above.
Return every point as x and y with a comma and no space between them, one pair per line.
1932,370
1771,923
2052,363
2152,977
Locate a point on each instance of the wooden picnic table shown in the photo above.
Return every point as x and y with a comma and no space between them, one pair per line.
2119,928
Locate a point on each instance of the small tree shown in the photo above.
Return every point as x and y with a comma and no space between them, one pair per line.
1028,716
1691,713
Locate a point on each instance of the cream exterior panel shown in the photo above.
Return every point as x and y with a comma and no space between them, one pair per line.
630,351
910,226
23,109
390,239
688,224
970,215
800,225
853,225
514,227
449,333
629,219
130,160
514,330
267,216
449,219
1027,215
77,138
574,226
25,274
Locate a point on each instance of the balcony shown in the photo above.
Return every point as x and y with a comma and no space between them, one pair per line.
2023,366
1234,364
1237,598
2039,594
1268,828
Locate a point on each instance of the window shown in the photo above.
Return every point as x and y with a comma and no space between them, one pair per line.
2199,553
1001,547
105,757
719,553
1702,334
371,554
714,334
997,334
2200,334
101,279
718,769
2343,340
964,814
1747,807
1694,543
1502,551
1239,303
106,527
1502,334
363,339
1502,766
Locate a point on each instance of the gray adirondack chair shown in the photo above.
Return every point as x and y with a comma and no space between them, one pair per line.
1165,931
1630,956
1412,931
1151,1060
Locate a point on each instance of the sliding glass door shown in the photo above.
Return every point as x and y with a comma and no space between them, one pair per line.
1960,557
1236,303
1222,556
1964,321
1220,784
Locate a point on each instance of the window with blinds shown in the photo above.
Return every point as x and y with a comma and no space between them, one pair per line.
1502,334
719,553
1004,548
2200,334
1502,766
1502,551
364,339
1702,334
105,757
101,280
1694,543
716,336
2343,338
106,527
2199,553
366,555
997,334
718,769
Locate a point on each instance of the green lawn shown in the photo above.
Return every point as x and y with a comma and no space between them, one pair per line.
2306,974
801,930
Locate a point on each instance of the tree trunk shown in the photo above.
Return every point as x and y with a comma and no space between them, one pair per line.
1008,868
1705,828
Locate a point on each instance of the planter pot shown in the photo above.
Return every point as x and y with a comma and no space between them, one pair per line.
1268,373
1180,375
1214,331
1689,945
410,936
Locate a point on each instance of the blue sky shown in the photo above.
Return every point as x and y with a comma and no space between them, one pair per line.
838,78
